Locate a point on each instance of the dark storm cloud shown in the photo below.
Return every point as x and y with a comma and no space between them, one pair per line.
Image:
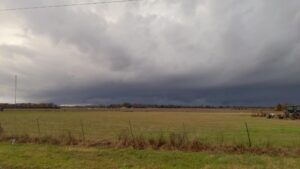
154,51
245,95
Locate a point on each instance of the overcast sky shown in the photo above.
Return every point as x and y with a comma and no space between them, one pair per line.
220,52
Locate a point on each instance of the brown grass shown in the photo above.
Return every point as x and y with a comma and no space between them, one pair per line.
175,141
179,141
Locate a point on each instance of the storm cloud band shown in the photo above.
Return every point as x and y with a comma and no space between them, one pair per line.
155,51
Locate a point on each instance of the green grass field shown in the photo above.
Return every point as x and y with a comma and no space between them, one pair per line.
213,126
26,156
210,125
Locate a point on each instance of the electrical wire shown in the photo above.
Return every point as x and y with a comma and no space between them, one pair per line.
66,5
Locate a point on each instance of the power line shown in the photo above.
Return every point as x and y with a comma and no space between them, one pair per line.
66,5
16,84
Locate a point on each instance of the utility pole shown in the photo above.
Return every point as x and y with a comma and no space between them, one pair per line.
16,85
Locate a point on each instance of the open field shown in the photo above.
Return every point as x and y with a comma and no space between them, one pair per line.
209,126
26,156
214,126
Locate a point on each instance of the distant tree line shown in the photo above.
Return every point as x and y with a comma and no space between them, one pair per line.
130,105
281,106
124,105
29,106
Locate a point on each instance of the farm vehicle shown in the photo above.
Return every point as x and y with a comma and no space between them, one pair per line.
292,112
289,112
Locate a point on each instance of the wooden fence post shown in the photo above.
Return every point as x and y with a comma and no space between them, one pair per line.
248,134
82,131
131,131
38,126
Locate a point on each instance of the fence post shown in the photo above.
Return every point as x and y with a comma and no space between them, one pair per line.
70,138
82,131
248,134
131,132
38,126
1,129
184,134
15,127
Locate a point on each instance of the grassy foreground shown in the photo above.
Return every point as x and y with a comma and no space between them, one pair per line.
27,156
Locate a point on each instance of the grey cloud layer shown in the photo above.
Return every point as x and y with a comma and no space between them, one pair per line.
166,51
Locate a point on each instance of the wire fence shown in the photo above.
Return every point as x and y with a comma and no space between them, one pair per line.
93,130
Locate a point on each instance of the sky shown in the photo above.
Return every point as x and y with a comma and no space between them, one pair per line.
189,52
